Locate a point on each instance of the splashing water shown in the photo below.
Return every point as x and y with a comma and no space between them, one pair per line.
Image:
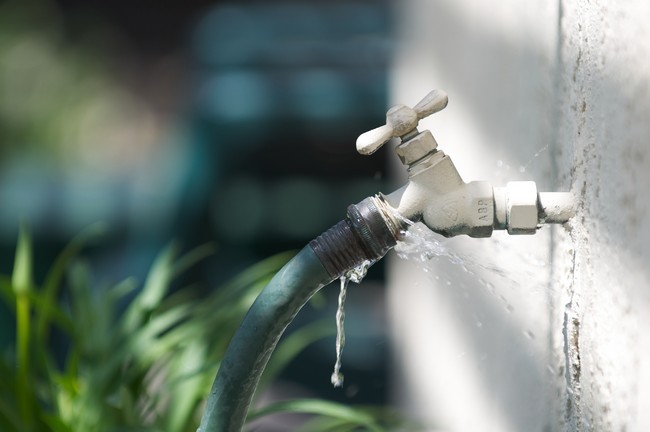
523,168
420,244
355,275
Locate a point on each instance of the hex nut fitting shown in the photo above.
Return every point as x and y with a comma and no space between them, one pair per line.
522,213
416,148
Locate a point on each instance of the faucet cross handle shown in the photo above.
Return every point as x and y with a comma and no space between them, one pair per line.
401,120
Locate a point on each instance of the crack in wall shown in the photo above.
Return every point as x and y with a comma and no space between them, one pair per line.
571,321
572,370
568,86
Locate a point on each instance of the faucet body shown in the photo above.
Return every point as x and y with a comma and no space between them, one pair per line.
437,195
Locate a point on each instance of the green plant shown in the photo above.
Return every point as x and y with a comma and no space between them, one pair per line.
147,367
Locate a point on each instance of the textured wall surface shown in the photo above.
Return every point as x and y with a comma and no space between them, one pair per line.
545,332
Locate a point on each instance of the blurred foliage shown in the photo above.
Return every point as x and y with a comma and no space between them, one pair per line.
59,98
136,359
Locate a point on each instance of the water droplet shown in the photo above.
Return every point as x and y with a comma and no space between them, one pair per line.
337,379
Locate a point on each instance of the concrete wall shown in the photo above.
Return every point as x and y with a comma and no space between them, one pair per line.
545,332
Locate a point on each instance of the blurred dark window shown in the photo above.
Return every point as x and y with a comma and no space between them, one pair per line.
283,90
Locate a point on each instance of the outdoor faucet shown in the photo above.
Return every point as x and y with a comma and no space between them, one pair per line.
436,194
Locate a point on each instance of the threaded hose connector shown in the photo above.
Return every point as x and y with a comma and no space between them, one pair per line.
366,234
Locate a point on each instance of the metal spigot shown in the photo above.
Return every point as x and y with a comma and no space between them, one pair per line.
436,194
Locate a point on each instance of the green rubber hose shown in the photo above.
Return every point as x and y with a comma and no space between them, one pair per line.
256,339
364,236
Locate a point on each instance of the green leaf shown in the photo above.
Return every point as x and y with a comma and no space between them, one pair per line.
9,415
318,407
56,424
291,346
122,289
155,286
21,278
187,393
22,281
328,424
48,308
191,258
7,291
56,314
158,282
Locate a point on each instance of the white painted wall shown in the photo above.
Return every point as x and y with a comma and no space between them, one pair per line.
558,339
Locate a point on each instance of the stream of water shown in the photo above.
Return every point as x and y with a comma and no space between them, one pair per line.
355,275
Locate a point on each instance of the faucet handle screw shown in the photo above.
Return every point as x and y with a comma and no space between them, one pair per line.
401,120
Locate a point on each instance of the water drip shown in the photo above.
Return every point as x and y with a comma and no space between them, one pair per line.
337,376
355,275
